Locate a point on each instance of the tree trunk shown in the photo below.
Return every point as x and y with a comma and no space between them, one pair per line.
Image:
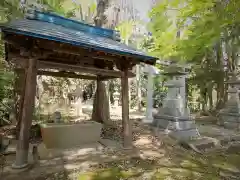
203,93
101,111
220,78
210,100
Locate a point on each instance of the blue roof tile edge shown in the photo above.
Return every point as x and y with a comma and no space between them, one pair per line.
72,24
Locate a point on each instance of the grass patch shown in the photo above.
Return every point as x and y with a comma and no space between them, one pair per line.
108,174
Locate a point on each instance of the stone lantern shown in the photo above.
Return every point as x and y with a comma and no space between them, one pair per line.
174,117
229,116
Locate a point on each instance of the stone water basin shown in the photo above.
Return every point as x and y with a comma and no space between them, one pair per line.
69,135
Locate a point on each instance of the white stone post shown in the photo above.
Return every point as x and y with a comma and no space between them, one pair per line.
116,96
78,103
149,109
183,89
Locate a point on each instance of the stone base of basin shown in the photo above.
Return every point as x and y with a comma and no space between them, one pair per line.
81,152
69,135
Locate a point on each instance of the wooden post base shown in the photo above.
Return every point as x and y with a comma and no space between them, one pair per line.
21,159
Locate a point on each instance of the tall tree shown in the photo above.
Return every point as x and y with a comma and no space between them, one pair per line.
209,39
101,112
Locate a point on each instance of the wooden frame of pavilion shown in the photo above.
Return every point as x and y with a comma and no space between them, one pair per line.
43,42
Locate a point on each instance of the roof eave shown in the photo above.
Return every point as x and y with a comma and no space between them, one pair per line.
144,58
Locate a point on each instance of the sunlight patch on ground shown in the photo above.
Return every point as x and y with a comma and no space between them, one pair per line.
212,167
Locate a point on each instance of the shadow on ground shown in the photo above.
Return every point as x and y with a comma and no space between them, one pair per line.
172,162
178,166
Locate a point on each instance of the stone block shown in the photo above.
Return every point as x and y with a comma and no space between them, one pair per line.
178,128
174,123
186,134
230,120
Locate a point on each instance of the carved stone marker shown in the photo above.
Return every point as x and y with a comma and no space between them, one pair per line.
57,117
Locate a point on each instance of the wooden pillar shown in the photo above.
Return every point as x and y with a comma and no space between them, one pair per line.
126,123
20,88
27,114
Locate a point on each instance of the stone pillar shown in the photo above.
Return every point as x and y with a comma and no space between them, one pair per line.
149,109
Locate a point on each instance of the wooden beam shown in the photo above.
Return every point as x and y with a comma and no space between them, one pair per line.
27,49
105,78
126,123
76,68
20,62
48,64
27,114
73,75
66,74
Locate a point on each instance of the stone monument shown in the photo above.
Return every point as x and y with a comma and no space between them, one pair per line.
174,117
229,116
116,97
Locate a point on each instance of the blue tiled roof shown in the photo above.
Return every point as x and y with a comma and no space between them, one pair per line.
56,28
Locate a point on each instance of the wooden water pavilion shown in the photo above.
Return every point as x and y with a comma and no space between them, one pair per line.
47,44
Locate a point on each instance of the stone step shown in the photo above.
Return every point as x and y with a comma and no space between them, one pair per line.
200,145
209,144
